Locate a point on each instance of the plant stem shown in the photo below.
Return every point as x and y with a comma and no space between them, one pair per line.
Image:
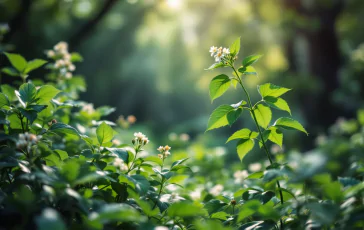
160,190
260,132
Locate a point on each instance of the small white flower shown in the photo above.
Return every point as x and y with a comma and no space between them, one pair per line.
216,190
196,194
68,75
213,50
161,228
61,46
160,148
240,176
51,53
226,51
255,167
71,67
119,163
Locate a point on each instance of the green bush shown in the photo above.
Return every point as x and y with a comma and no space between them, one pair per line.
61,166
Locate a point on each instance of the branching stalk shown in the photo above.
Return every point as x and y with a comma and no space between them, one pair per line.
251,108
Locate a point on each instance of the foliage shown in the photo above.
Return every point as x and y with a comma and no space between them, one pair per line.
62,167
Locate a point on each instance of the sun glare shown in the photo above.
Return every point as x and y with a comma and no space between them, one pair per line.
175,4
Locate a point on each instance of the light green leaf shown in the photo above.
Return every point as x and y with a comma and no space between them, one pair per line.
17,61
216,65
244,146
218,86
276,136
248,70
10,71
277,103
250,60
34,64
235,47
46,93
271,90
26,93
4,100
76,57
9,91
185,209
290,124
218,117
116,212
263,115
243,134
104,133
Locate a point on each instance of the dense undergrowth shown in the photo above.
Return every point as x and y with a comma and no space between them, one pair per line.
62,166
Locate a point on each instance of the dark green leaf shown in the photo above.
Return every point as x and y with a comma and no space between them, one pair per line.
121,153
248,70
26,94
61,128
141,184
50,219
214,205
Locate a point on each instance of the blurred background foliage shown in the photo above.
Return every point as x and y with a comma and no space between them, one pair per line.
147,57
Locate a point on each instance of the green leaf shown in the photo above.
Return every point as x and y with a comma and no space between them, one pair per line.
263,115
277,103
250,60
244,146
324,213
271,90
104,133
243,134
185,209
233,115
61,128
235,47
216,65
218,86
26,94
116,212
248,70
70,170
10,71
214,205
218,117
30,114
34,64
276,136
290,124
9,91
4,100
121,153
220,215
76,57
46,93
248,209
141,184
50,219
17,61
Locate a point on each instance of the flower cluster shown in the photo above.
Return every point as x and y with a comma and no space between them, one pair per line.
119,163
164,152
62,59
240,176
219,53
140,139
26,140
